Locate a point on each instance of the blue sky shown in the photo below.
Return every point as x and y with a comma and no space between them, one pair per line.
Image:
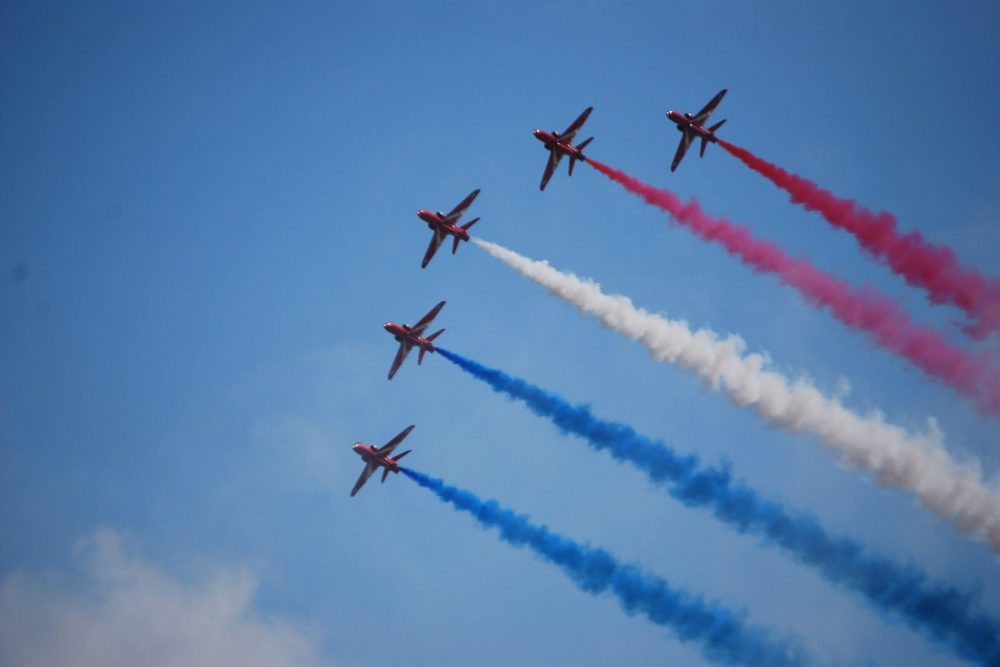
207,212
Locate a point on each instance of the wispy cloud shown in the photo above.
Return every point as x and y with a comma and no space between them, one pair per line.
125,611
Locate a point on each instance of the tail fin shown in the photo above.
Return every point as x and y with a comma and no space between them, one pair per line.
423,350
704,140
385,473
454,246
580,146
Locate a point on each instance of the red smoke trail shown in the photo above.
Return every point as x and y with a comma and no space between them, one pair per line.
974,375
931,267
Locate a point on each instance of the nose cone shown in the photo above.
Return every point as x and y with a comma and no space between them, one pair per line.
387,326
537,133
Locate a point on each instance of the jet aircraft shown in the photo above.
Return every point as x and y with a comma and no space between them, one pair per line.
444,225
375,457
692,127
410,337
559,145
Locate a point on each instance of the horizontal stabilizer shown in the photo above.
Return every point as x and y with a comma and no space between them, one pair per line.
403,454
385,473
435,334
705,140
573,158
470,223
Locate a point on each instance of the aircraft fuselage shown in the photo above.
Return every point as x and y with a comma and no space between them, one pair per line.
685,123
370,455
436,221
553,142
404,336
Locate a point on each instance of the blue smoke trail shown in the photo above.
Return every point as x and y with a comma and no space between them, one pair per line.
941,612
723,636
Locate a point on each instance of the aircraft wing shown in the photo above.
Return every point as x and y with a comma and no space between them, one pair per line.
432,248
550,168
419,327
365,474
682,148
707,110
391,445
571,131
404,349
457,212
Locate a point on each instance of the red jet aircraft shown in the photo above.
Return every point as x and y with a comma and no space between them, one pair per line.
559,145
443,225
410,337
379,456
694,126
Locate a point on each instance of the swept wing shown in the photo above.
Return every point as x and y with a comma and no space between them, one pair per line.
571,131
404,349
419,327
370,467
706,111
550,167
457,212
387,448
686,139
436,240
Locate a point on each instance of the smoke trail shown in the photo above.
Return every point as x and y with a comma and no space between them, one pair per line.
940,612
934,268
722,634
918,464
974,375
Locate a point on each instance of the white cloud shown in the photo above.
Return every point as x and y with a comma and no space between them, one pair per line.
126,612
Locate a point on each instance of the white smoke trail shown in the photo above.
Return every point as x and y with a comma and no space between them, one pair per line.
915,462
